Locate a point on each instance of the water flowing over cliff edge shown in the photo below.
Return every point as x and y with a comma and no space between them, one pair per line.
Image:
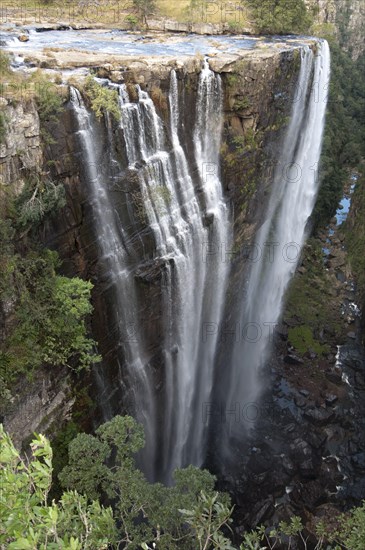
179,200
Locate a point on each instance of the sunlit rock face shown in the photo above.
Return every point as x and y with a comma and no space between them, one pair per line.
347,19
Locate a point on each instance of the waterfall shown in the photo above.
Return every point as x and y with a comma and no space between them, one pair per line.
190,223
176,210
282,235
114,258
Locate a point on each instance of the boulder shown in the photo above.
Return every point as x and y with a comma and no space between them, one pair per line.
334,376
292,359
358,461
319,416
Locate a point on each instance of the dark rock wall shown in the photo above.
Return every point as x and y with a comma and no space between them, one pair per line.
263,90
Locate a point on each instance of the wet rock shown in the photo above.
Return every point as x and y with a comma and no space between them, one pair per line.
303,392
300,402
259,463
310,494
290,428
353,357
330,474
152,271
316,439
175,349
300,449
282,331
292,359
351,335
310,354
354,491
288,465
359,381
208,219
23,38
358,461
334,376
280,479
319,416
261,511
308,468
330,399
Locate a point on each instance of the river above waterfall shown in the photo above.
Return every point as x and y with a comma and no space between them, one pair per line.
116,42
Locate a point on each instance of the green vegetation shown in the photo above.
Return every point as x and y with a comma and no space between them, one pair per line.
355,235
161,196
49,312
344,139
101,98
28,521
301,337
159,99
39,198
4,63
144,9
137,200
241,104
132,21
16,87
232,79
190,515
311,303
46,312
2,127
280,16
49,102
103,466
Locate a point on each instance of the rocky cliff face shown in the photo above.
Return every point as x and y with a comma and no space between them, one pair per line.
47,400
301,422
257,102
348,19
21,150
258,94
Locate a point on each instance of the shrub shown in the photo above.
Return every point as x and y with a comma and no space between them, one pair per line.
37,200
48,101
2,127
102,98
132,21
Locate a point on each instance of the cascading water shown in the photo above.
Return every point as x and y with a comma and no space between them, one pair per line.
193,293
282,235
187,215
114,257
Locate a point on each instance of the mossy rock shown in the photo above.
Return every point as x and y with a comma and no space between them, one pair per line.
301,337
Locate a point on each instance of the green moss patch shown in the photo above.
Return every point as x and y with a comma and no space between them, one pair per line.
302,339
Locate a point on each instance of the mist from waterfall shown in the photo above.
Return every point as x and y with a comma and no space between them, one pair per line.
279,241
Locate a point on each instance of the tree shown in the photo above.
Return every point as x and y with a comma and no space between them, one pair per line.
280,16
49,315
39,198
27,521
149,516
207,518
144,8
103,466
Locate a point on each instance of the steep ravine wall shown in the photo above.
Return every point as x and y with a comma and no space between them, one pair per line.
257,102
45,400
299,429
348,20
